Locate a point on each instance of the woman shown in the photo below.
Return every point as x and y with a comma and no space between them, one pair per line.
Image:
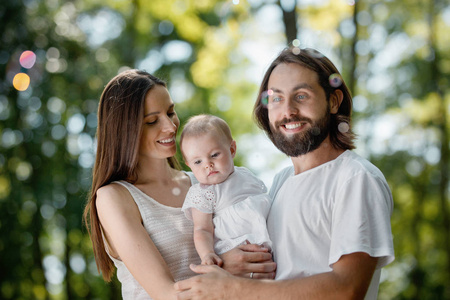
134,211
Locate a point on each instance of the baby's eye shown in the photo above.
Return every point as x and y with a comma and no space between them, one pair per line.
197,162
215,154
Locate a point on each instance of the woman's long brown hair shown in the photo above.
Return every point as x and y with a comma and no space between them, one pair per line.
120,118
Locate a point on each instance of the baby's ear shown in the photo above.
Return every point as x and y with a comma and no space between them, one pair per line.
233,148
185,161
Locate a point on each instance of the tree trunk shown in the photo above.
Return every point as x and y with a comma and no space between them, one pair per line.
442,126
290,22
354,55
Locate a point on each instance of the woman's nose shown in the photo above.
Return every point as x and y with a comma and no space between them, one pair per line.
169,125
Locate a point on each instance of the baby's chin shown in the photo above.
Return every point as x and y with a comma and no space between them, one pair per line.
215,181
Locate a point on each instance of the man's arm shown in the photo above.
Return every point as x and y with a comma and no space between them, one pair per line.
349,279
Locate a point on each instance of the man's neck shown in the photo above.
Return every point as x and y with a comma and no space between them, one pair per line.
325,153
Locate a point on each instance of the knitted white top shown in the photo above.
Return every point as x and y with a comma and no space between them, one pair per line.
171,233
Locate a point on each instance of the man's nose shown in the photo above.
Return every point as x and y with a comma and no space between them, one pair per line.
290,108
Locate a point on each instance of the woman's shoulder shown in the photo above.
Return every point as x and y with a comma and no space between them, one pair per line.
113,193
111,189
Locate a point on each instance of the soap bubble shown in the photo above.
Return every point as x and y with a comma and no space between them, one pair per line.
265,97
335,80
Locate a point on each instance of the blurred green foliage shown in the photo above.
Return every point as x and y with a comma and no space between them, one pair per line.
395,56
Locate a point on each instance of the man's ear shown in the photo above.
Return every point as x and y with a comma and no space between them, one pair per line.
233,148
335,101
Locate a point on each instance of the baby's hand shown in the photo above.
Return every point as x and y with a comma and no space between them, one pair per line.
212,259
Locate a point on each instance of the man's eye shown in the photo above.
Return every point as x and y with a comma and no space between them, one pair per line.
276,99
300,97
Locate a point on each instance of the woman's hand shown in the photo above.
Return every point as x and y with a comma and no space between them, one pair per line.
250,261
213,283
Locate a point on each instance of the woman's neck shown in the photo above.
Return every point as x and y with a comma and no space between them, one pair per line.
154,170
164,184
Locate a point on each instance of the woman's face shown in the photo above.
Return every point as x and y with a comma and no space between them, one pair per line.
160,125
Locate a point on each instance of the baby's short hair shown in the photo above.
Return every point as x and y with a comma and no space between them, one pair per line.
203,124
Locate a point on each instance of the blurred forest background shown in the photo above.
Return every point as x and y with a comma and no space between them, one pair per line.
394,56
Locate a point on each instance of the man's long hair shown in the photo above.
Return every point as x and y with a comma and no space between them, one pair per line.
341,135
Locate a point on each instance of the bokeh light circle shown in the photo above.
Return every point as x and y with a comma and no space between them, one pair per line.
21,81
296,50
27,59
176,191
343,127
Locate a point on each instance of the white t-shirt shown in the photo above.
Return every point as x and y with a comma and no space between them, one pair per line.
337,208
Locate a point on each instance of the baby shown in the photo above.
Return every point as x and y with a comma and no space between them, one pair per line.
229,205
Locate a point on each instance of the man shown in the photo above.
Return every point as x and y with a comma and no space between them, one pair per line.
330,217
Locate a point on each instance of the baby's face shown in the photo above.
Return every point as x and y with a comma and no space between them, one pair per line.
209,157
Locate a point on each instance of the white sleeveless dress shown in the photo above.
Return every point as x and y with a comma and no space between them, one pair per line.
239,205
171,233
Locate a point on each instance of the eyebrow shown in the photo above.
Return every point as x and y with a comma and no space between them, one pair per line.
297,87
157,112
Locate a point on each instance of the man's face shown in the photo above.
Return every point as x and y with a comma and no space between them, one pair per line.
299,113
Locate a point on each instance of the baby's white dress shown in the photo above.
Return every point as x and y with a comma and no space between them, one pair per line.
239,205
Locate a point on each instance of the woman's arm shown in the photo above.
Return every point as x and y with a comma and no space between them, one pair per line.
129,241
204,237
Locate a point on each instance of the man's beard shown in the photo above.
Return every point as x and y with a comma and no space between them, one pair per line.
302,142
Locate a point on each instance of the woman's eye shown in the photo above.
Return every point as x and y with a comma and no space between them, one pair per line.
151,123
171,114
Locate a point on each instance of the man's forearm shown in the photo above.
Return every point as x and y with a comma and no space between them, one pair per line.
321,286
349,279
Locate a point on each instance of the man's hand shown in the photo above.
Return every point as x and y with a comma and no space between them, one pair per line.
250,258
